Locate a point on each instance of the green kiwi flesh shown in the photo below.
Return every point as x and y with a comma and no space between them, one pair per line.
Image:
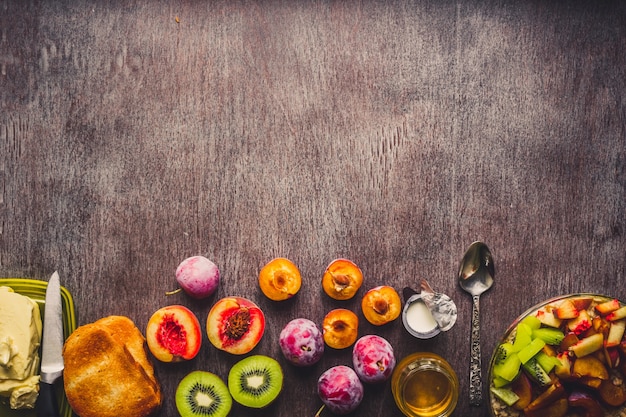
203,394
255,381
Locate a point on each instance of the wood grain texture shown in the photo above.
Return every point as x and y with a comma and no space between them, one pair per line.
135,134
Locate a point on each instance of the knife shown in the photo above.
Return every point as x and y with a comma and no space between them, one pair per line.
52,346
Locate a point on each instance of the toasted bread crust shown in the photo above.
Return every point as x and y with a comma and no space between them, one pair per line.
107,371
122,328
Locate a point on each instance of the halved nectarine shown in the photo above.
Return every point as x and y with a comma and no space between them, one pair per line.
340,328
173,334
280,279
381,305
342,279
235,325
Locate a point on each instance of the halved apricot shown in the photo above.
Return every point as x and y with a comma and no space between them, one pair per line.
340,328
381,305
280,279
342,279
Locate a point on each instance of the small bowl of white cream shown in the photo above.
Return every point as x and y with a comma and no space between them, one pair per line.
417,318
427,313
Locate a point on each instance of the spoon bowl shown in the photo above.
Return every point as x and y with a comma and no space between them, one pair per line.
475,277
477,271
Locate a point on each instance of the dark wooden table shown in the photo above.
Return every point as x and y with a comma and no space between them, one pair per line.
136,134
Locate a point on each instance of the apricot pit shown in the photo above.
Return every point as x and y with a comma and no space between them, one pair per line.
381,305
342,279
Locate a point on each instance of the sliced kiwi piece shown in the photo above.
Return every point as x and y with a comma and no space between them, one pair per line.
503,351
505,394
255,381
203,394
536,372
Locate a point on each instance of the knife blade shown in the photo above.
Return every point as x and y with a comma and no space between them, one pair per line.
52,347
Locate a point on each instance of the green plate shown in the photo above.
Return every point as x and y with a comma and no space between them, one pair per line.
36,290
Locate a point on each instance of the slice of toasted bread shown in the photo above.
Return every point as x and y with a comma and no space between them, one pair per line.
107,372
123,329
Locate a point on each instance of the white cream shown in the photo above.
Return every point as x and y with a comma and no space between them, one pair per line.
419,317
20,337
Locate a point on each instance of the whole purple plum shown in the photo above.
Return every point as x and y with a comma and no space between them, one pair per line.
340,389
198,276
302,342
373,359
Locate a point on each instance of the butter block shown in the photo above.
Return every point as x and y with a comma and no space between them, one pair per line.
20,338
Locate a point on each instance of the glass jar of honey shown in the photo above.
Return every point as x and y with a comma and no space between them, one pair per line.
425,385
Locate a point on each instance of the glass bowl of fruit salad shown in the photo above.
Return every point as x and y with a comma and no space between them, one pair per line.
563,357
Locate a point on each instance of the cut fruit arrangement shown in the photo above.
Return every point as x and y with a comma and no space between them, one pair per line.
236,325
564,357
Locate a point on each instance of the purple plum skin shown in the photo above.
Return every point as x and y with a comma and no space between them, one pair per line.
340,389
198,276
373,359
302,342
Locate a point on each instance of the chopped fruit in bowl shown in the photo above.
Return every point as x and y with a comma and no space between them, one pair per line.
381,305
280,279
235,325
173,334
562,358
340,328
342,279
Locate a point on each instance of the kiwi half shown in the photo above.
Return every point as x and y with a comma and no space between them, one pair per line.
203,394
255,381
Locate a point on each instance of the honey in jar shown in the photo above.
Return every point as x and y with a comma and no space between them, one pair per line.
424,385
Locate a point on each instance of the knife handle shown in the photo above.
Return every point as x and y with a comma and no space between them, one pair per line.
46,405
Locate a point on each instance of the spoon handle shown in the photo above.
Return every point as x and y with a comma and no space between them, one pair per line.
476,381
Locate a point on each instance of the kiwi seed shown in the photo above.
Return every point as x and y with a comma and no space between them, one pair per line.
255,381
203,394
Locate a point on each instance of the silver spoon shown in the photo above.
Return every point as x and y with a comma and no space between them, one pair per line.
476,276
